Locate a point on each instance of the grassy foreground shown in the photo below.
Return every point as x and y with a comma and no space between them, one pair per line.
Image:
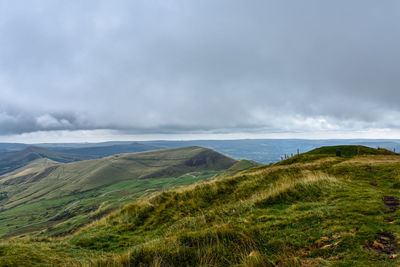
314,209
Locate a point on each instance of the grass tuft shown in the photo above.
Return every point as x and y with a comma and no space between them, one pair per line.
310,186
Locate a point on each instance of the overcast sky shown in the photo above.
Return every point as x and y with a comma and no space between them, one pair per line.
119,70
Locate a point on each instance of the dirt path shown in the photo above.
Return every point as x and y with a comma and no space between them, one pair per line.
384,243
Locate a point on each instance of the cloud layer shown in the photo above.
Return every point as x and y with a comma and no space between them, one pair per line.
186,67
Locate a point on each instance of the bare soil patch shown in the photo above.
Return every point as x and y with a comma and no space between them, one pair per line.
391,202
384,243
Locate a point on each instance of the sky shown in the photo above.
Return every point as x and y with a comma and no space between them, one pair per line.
139,70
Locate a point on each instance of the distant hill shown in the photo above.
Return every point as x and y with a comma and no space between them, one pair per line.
108,150
44,190
272,150
15,160
322,211
11,147
32,168
259,150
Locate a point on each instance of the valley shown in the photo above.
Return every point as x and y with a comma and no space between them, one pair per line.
53,198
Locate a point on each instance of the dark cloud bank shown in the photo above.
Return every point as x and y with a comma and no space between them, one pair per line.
199,66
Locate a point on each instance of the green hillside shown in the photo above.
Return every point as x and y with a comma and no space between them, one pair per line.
34,195
324,211
12,161
350,151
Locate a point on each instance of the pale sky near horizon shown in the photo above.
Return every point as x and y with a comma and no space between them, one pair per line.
77,71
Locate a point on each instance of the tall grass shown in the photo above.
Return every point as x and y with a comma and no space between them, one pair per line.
308,186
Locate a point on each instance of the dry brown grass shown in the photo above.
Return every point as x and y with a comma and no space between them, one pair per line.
375,159
286,183
307,165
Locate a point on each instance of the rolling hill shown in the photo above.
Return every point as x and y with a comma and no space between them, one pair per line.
12,161
321,210
108,150
36,192
11,147
260,150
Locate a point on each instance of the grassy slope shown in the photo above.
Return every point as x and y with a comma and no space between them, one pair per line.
318,211
239,166
79,177
33,167
35,194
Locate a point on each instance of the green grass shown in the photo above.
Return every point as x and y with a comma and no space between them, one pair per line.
91,205
241,165
350,151
34,193
320,212
80,177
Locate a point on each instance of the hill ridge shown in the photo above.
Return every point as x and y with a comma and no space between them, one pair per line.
14,160
92,180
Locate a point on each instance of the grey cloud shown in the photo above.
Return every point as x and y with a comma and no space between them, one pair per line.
198,66
22,122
